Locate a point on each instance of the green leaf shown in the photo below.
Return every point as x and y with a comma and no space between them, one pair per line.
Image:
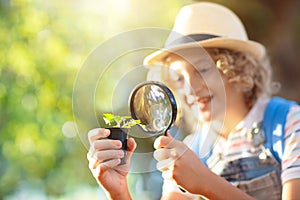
120,121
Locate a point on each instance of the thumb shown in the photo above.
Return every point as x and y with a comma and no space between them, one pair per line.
168,134
131,145
165,141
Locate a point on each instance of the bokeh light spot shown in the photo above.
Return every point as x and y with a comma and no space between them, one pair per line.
69,129
26,145
29,102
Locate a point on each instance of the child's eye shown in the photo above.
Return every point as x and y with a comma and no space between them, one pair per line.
176,80
202,66
203,70
179,78
176,77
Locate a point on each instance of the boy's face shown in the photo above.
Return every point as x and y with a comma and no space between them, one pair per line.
205,89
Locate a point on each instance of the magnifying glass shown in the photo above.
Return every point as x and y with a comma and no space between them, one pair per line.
154,105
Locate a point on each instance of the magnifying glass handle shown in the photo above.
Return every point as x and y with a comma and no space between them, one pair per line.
120,134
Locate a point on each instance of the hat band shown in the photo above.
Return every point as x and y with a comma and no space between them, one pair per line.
191,38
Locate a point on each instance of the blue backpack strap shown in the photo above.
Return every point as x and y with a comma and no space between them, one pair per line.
274,123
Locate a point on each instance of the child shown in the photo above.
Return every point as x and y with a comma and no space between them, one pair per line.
227,85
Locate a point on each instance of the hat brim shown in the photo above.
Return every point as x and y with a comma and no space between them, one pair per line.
253,48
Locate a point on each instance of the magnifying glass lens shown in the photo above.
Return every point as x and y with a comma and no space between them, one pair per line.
153,106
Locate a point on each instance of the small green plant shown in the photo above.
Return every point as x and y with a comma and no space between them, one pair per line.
117,121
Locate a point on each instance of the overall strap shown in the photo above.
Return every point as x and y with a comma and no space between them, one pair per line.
274,123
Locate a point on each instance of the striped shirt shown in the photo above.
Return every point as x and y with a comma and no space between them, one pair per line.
291,155
239,144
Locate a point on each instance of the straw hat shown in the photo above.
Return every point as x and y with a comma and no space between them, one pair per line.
207,25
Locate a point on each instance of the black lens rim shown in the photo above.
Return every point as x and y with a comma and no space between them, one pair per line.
169,95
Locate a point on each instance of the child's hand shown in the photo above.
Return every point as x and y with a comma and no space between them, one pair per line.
104,157
179,163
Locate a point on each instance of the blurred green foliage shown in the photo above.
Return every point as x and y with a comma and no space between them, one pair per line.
43,44
39,60
42,47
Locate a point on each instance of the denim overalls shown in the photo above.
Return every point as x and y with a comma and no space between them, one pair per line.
258,176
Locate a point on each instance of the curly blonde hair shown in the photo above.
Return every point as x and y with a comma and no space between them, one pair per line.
252,77
249,75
